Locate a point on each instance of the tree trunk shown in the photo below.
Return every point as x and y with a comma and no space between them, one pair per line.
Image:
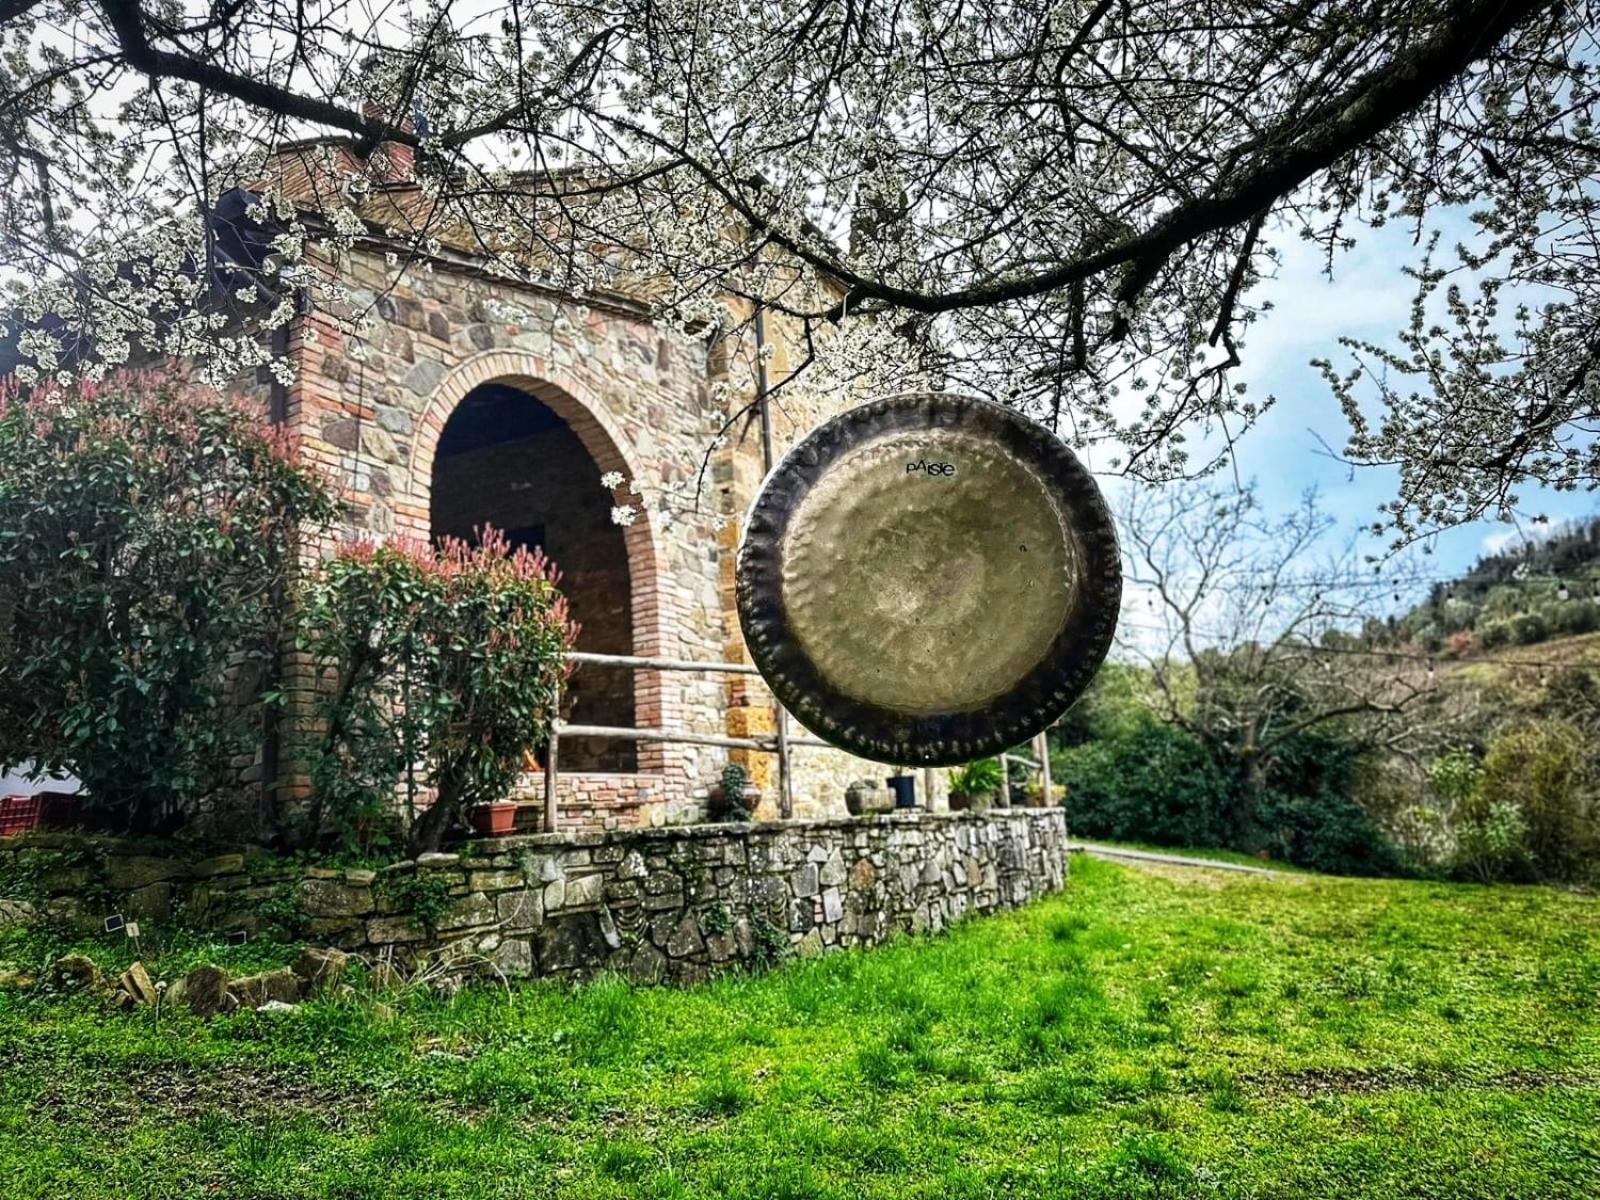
1255,776
442,815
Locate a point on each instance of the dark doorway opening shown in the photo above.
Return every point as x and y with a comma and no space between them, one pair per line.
506,459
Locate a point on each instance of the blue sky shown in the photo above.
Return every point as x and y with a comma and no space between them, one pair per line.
1369,297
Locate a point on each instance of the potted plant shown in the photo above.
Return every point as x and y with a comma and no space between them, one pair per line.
1036,796
974,785
735,797
493,820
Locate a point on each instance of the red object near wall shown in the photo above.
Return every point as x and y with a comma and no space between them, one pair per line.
493,820
19,814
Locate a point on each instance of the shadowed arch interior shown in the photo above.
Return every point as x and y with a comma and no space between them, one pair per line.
507,459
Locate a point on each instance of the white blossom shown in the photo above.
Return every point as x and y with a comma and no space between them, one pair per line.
1061,205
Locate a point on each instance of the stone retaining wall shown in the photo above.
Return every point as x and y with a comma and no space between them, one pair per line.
670,903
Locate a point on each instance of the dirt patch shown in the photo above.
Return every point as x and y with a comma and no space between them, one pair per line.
1313,1082
117,1100
1203,877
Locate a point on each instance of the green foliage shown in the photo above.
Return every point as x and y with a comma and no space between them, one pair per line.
423,896
1542,772
733,779
283,914
442,671
1526,594
1157,783
771,940
1491,842
1152,782
147,528
980,778
718,921
1119,699
34,874
1325,831
733,804
1456,778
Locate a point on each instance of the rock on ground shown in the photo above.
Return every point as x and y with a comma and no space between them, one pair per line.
319,968
76,972
252,991
205,990
136,982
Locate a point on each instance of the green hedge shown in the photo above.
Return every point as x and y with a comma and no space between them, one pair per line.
1150,782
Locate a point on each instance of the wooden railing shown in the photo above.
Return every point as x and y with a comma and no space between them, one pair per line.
779,744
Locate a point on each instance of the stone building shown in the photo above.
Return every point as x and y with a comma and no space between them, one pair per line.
446,414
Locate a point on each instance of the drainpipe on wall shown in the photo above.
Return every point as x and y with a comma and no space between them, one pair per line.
780,718
271,731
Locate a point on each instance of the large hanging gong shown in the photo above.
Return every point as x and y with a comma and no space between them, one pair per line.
928,579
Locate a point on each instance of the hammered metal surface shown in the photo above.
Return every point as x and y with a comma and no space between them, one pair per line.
974,572
928,579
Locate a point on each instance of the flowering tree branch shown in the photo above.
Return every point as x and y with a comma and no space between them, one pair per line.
1065,205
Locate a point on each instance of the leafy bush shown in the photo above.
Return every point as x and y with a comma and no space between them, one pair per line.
447,661
147,529
1491,843
1495,634
1306,814
1576,617
1542,771
980,778
730,803
1456,780
1152,783
1156,783
1529,628
1326,831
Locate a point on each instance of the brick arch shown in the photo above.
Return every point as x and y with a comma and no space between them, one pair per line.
577,403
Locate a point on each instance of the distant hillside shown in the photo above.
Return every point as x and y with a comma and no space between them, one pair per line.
1530,593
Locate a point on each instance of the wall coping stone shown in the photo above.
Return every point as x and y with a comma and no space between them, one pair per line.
667,833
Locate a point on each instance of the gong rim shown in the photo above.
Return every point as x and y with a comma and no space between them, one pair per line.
888,735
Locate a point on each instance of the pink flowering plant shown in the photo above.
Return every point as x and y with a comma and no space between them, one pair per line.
147,537
440,669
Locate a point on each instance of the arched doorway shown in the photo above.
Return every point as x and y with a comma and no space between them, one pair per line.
507,459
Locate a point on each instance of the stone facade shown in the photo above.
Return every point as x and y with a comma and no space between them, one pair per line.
619,396
675,904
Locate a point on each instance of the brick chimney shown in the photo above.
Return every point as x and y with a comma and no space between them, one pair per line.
398,158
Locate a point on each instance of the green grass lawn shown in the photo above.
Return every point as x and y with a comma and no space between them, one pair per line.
1140,1035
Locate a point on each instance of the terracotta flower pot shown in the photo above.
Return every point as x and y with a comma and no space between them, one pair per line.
493,820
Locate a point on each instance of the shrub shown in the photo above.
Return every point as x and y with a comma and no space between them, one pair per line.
980,778
1576,617
1495,634
1151,783
446,663
1306,815
147,529
1543,773
1529,628
1491,843
1326,832
1456,779
1156,783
